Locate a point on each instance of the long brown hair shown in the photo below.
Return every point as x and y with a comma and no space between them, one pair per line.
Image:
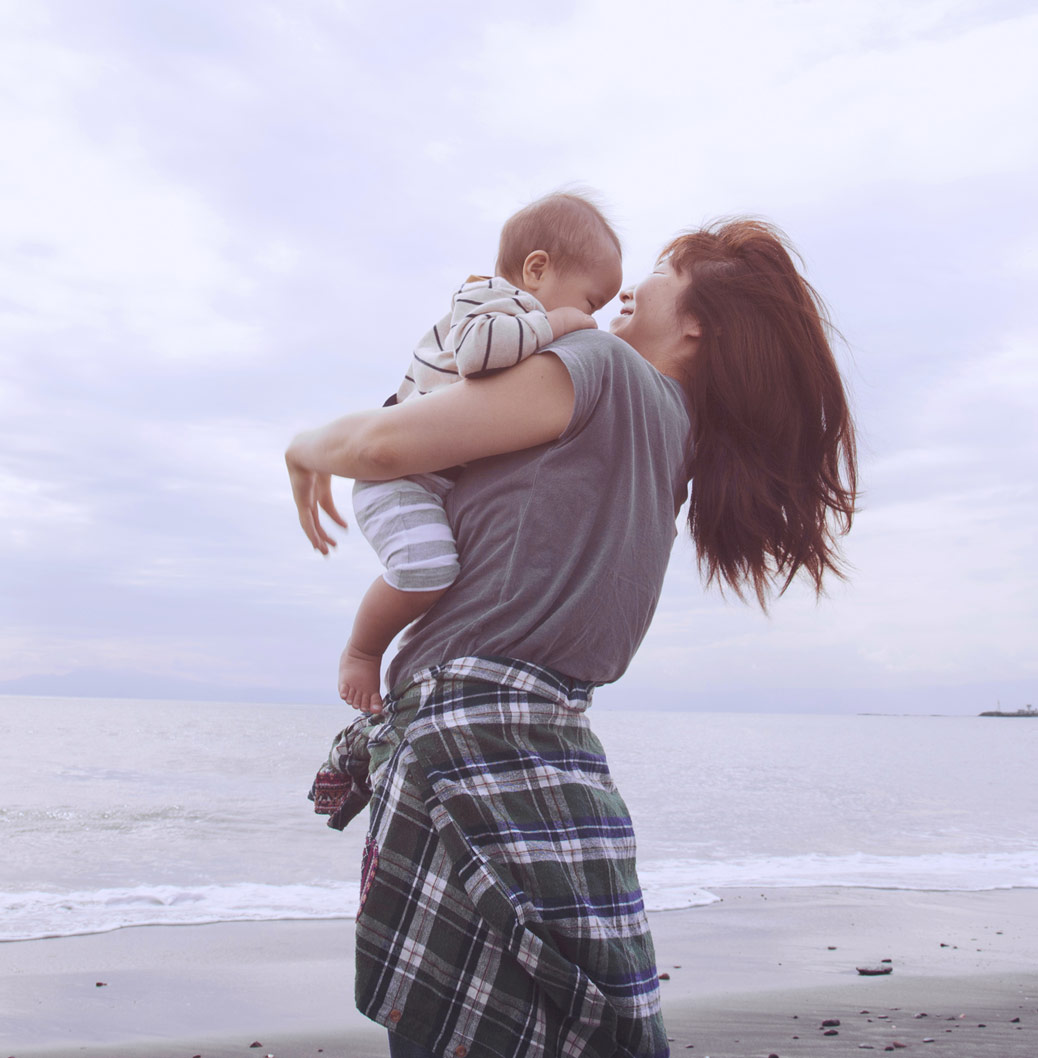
774,470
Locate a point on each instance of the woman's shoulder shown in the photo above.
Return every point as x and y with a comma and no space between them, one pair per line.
599,352
600,359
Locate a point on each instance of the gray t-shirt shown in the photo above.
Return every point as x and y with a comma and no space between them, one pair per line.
563,547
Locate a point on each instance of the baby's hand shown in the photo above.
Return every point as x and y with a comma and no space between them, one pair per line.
569,319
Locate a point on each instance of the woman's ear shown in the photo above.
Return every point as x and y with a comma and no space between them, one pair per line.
535,270
692,329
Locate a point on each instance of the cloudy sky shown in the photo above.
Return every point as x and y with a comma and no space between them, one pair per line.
208,213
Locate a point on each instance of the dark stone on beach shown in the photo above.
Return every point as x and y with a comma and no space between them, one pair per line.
255,1043
100,984
920,1015
831,1032
832,947
773,1055
1013,1021
830,1023
874,971
664,977
886,960
943,945
982,1026
929,1039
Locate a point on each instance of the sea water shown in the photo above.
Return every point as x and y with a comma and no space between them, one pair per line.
119,812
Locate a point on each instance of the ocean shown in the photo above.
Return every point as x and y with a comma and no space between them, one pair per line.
119,812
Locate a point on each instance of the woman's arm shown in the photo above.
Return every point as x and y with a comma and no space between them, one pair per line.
527,405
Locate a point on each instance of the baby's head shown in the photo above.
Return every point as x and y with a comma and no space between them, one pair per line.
562,250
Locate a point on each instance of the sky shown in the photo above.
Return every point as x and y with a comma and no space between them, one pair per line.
222,223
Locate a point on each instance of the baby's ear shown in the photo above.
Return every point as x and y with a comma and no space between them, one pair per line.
535,269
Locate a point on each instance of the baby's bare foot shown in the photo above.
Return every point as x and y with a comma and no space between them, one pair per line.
360,678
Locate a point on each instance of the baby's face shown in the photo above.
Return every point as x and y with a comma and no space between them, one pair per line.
586,286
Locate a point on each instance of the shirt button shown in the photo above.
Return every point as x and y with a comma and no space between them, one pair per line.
395,1015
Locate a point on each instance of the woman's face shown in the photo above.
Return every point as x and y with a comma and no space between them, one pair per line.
650,318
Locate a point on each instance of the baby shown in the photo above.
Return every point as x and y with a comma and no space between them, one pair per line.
558,262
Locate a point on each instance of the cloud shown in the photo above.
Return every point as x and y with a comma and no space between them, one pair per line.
224,223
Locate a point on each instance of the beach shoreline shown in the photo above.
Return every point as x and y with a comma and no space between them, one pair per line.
754,974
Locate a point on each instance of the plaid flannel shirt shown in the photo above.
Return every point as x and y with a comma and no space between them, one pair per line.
500,914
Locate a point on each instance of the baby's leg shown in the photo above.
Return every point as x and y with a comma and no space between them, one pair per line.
406,525
384,611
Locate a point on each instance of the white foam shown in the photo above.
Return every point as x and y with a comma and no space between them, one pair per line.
667,885
34,915
667,882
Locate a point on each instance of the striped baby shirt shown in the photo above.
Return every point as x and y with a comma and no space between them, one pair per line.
491,324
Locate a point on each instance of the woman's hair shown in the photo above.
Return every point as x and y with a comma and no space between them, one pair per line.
774,470
565,224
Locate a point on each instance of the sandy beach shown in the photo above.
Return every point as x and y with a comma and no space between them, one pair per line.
754,975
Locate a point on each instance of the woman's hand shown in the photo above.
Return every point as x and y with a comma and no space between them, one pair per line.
312,492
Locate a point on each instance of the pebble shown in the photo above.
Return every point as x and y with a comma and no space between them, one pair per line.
928,1039
831,1032
664,977
100,984
830,1023
255,1043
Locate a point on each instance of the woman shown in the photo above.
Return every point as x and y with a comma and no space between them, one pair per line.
501,914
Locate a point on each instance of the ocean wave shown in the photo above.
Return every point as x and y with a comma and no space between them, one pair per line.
667,881
35,915
667,885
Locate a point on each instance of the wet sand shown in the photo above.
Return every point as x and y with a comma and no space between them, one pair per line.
754,975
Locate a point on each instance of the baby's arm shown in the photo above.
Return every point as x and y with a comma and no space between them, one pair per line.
494,325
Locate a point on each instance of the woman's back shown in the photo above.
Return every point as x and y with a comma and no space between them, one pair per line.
563,547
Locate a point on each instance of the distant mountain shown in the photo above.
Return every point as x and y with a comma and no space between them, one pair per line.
99,683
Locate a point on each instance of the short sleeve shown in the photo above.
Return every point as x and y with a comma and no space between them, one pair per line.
592,359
